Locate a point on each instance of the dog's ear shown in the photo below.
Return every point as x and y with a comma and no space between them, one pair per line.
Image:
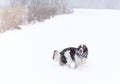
56,55
85,48
80,49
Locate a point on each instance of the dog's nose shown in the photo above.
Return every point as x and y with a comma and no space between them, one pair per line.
81,50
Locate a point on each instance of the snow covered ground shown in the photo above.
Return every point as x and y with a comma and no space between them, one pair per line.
26,55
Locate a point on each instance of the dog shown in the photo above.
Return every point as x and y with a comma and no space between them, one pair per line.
71,56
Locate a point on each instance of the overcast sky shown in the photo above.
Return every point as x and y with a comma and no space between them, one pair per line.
4,2
112,4
1,2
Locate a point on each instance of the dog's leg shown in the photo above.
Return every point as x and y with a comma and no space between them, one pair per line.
72,65
77,61
84,60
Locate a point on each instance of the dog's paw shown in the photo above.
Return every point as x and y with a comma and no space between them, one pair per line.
72,66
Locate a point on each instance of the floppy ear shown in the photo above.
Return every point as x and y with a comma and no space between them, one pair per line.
56,55
80,49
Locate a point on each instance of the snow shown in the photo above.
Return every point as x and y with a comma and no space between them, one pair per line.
26,55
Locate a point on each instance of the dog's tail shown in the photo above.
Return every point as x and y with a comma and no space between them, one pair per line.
56,55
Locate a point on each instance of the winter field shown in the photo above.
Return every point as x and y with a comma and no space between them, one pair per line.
26,55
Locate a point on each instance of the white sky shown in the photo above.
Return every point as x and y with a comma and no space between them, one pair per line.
4,2
115,4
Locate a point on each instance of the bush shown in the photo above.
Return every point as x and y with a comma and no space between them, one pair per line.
44,9
40,13
11,17
31,10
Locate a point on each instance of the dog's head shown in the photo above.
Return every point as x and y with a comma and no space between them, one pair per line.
83,50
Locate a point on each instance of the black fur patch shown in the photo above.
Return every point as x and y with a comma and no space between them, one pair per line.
72,52
63,60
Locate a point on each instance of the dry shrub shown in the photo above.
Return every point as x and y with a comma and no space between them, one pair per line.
11,17
40,13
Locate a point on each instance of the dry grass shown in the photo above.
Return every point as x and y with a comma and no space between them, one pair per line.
11,17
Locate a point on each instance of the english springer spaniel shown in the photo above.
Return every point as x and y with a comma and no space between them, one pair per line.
72,57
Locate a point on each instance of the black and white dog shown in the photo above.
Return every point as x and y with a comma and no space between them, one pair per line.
71,56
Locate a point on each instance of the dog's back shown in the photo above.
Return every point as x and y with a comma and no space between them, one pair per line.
69,51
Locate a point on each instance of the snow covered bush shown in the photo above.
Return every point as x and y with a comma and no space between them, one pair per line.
40,13
43,9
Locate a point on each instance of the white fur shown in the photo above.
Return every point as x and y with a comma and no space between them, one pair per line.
72,65
56,56
77,61
84,61
70,62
